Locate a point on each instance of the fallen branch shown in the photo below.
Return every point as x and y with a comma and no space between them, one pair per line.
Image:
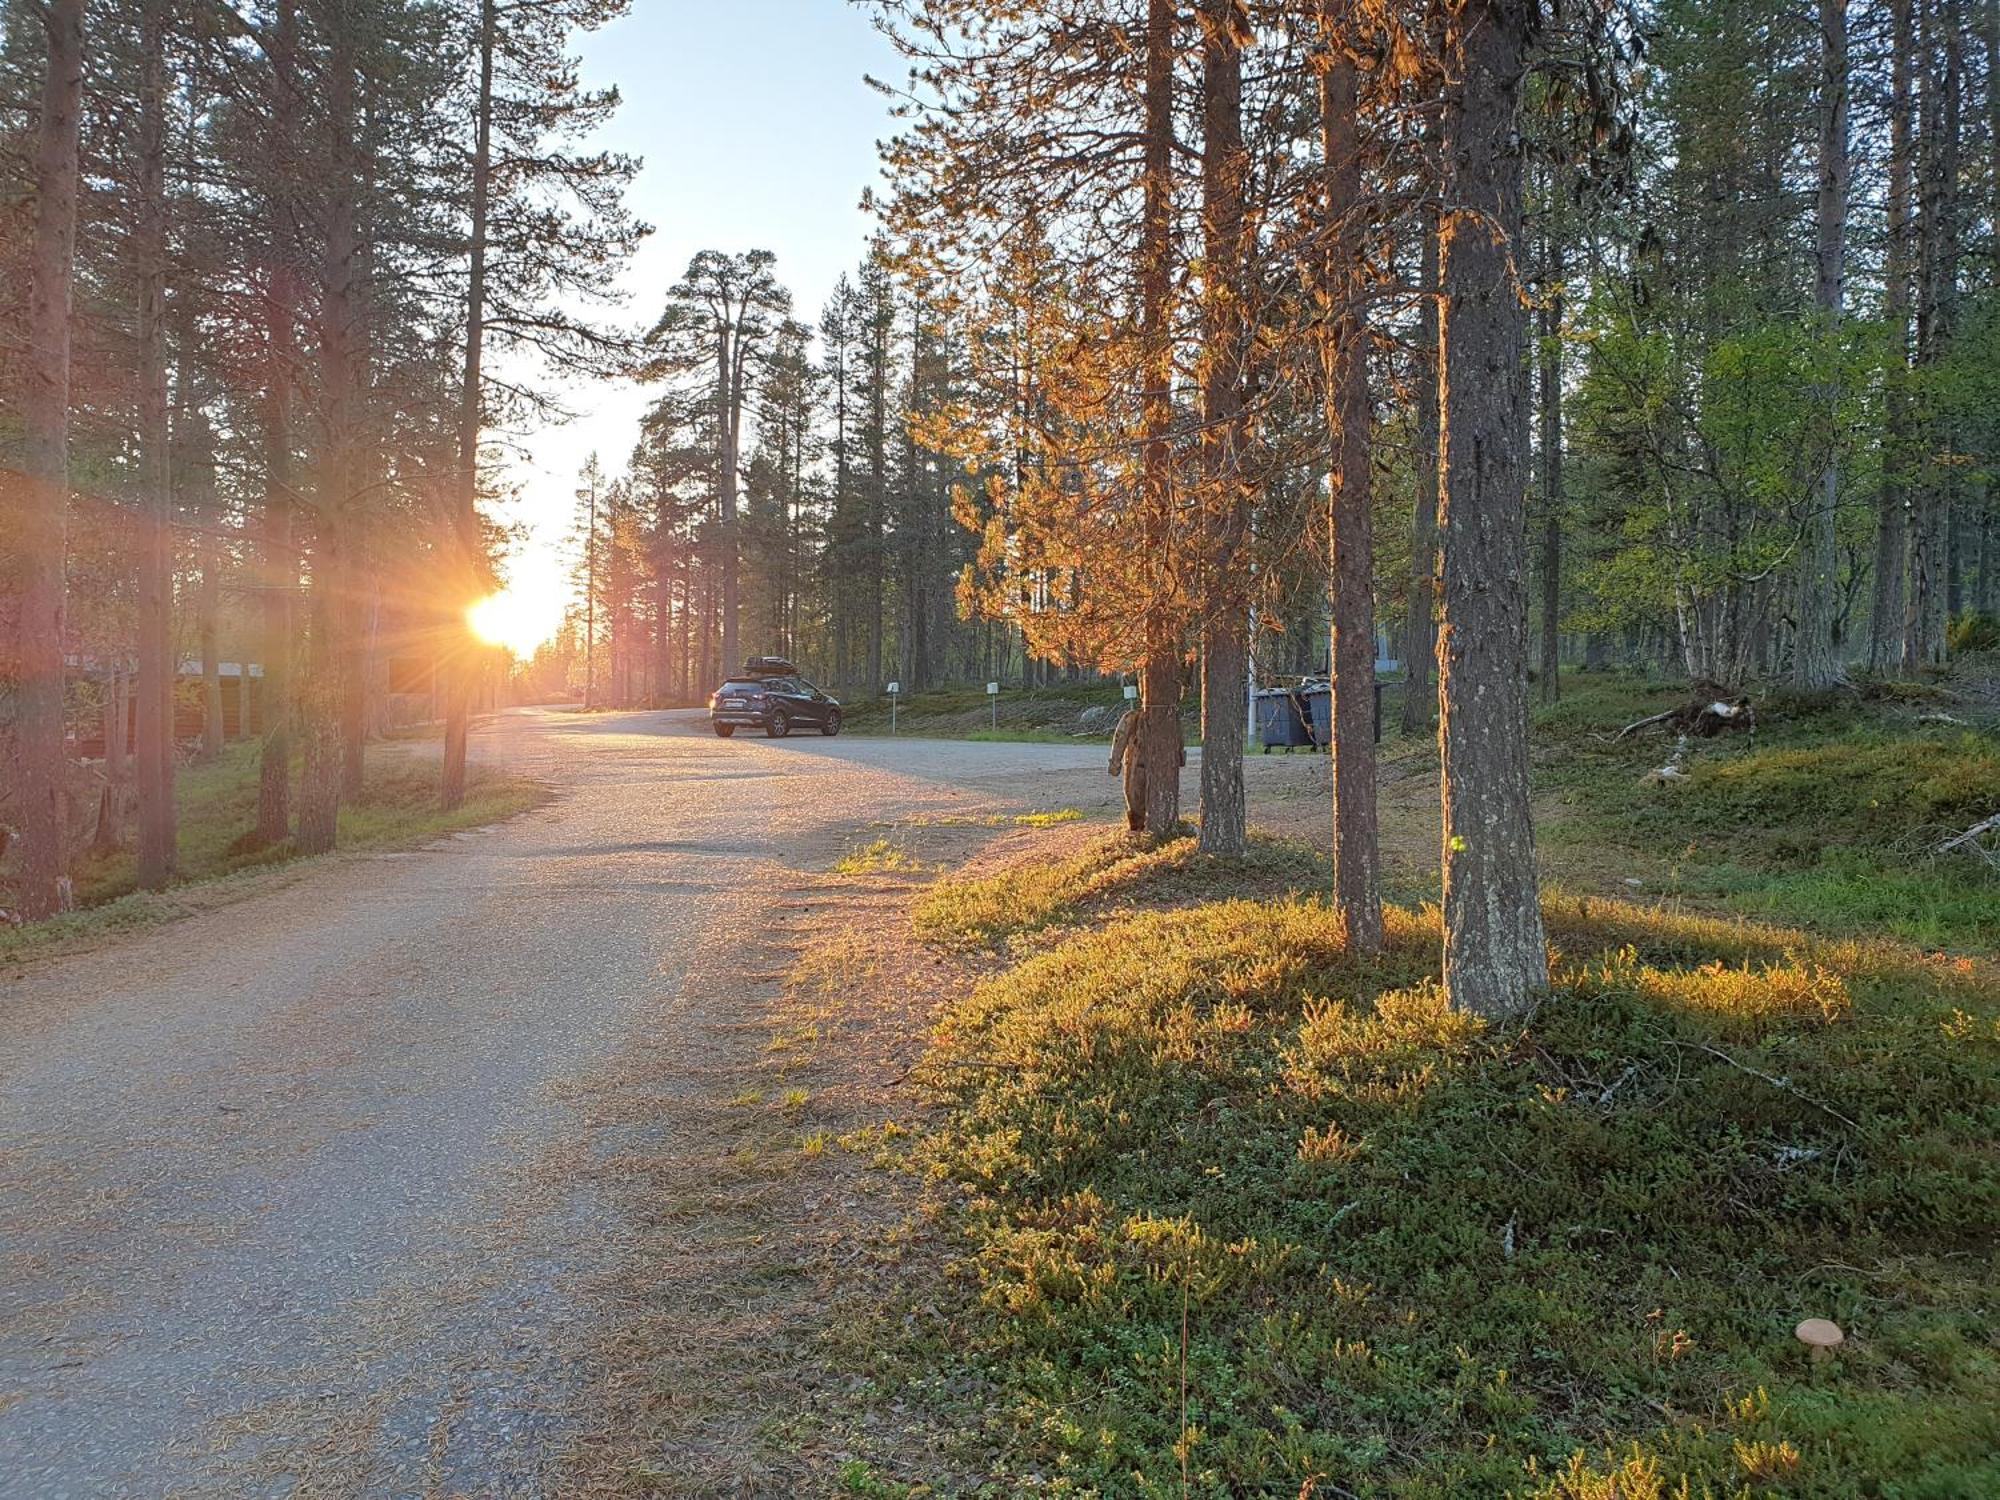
1971,835
1782,1084
1639,724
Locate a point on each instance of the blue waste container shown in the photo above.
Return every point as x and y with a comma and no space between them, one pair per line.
1319,712
1280,725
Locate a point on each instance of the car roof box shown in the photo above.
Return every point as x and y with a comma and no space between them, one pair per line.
769,666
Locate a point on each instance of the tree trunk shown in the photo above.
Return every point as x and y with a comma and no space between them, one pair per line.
1495,957
209,606
357,638
111,809
730,375
1926,610
1887,604
465,513
156,664
590,596
41,500
1160,668
278,547
1552,455
1356,856
1816,665
1225,642
279,557
1420,623
878,485
330,654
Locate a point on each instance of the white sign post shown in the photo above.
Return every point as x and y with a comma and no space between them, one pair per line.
894,688
993,701
1131,691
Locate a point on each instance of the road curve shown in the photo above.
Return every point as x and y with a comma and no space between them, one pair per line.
283,1198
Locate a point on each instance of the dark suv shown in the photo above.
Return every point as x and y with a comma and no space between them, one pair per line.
770,695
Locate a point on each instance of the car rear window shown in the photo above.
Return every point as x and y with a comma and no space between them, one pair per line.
741,687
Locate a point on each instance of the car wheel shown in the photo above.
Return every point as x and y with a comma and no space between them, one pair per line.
779,726
832,725
725,730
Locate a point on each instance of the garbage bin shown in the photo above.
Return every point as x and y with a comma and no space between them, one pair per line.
1318,712
1280,725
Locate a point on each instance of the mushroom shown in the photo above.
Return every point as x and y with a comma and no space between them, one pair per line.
1820,1335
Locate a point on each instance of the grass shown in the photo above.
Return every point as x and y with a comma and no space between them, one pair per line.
1826,817
985,911
1868,791
1240,1213
1038,819
217,804
1933,904
882,856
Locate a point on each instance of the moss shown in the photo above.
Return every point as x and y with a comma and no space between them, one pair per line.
988,909
1416,1254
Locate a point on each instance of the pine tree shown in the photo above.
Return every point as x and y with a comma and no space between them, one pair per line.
1225,31
39,504
1357,880
719,319
1495,959
546,230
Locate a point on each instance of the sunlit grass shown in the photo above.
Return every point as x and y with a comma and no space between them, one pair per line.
1826,818
985,910
881,856
1421,1254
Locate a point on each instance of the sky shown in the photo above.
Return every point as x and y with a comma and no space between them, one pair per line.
757,132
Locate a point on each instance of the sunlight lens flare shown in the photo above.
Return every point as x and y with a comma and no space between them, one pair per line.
527,611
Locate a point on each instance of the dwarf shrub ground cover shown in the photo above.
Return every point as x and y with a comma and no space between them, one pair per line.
1423,1256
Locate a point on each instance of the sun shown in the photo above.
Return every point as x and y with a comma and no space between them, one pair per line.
527,610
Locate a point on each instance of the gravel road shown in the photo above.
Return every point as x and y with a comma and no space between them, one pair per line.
288,1199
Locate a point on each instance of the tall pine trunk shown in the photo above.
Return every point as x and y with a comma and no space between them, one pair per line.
278,546
1926,610
330,658
1552,453
1887,602
156,583
465,512
1356,856
729,380
111,806
1225,640
1160,665
1495,956
40,502
204,501
1420,620
1816,665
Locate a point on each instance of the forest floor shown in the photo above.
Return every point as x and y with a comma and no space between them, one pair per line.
1121,1177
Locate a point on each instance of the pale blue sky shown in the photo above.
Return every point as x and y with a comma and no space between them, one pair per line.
757,133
